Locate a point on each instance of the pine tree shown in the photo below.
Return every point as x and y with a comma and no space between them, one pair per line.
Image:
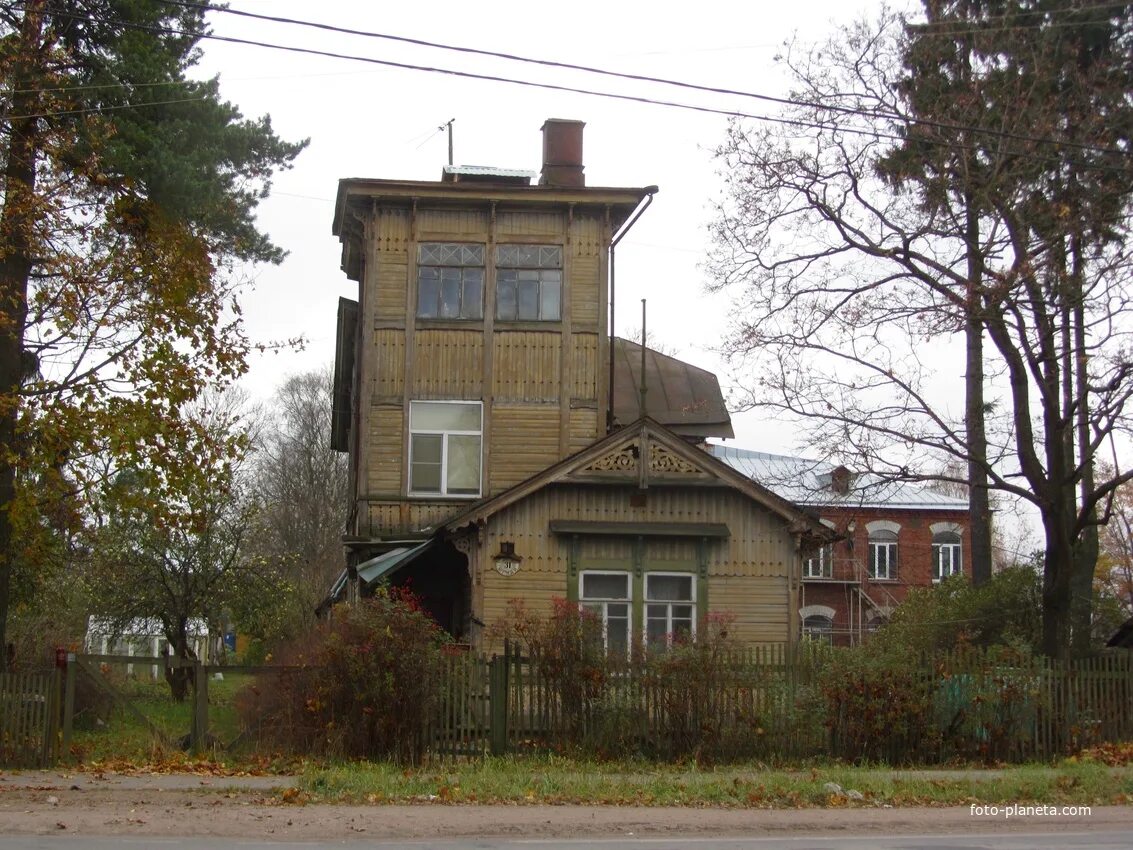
128,195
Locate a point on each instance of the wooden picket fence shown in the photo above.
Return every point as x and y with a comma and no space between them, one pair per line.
780,703
773,703
29,719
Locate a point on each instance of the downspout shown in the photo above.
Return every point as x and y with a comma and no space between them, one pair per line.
642,206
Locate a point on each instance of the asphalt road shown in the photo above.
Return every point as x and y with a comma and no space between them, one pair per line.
1108,840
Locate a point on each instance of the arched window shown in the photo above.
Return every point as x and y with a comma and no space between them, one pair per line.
882,553
947,555
818,627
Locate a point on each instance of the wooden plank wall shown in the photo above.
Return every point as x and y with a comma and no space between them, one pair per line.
748,574
543,387
525,440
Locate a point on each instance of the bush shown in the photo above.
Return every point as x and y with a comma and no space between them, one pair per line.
1004,611
364,685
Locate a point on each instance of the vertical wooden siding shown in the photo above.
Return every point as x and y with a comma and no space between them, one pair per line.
398,518
747,573
389,364
584,354
526,366
448,364
452,225
527,224
391,262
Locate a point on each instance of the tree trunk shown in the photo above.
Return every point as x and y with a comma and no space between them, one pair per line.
1057,566
178,679
1088,544
979,498
180,676
17,219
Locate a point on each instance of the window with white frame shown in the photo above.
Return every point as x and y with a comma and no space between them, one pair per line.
529,283
607,595
946,555
819,627
670,607
882,554
819,563
444,448
450,280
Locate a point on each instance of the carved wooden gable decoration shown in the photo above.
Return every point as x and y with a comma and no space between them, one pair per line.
642,459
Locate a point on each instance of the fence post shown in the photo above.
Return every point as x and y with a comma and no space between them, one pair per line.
497,706
199,730
69,704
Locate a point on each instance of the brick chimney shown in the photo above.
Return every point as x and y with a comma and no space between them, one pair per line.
840,480
562,153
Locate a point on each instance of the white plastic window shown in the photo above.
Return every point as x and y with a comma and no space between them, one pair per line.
670,607
607,595
444,448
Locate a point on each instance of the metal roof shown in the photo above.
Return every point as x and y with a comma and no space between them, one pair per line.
682,397
374,569
807,482
487,171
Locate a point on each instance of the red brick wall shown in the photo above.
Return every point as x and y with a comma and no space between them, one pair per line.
851,558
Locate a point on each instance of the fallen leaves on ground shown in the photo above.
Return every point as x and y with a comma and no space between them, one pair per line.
1113,755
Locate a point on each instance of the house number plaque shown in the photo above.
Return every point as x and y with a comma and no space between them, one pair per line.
507,566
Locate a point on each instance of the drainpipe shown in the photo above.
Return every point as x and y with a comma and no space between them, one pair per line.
642,206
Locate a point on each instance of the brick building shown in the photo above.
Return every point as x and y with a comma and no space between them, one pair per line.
893,537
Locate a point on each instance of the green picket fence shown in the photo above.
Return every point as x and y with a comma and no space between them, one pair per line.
787,703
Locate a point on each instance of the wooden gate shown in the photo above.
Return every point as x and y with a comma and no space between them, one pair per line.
29,719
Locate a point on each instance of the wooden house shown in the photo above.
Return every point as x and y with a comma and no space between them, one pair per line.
505,446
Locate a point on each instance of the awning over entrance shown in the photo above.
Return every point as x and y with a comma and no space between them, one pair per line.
371,571
376,568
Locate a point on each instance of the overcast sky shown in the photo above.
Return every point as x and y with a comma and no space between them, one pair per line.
365,120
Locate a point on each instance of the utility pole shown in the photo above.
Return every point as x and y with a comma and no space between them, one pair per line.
643,387
448,125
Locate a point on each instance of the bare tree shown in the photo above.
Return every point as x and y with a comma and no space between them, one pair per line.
302,491
861,279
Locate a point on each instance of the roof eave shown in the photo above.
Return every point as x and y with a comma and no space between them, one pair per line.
358,188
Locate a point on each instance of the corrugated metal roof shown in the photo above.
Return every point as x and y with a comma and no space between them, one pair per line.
682,397
807,482
487,171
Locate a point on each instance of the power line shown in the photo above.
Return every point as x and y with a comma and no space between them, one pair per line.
94,109
547,63
488,77
795,122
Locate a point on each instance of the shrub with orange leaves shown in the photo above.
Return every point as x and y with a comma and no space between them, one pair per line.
362,686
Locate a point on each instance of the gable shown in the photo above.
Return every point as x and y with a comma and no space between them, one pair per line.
645,455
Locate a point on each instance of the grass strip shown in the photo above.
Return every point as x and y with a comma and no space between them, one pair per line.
558,781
